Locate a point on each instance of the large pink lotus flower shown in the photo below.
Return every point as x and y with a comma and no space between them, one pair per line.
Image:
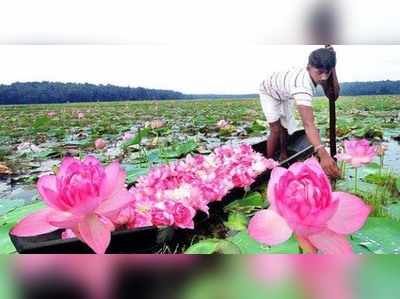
357,152
302,202
81,198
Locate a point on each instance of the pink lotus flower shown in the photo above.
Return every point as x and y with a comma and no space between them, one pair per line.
357,152
81,198
241,164
156,124
138,212
128,136
302,202
172,182
160,216
183,214
210,178
381,149
168,213
222,123
81,115
100,143
51,114
68,234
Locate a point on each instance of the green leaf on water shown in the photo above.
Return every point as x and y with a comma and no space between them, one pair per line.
19,213
6,246
137,139
40,122
227,130
359,249
379,235
371,168
8,220
236,221
248,245
251,202
179,150
211,246
348,186
7,205
257,126
134,171
43,154
368,132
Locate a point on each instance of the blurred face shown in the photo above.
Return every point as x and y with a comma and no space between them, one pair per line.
318,75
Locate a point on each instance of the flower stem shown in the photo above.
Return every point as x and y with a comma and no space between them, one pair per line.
343,170
305,245
356,180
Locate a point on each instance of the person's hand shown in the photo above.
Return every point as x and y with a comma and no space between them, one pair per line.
328,164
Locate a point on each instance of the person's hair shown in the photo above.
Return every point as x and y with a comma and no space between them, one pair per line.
322,59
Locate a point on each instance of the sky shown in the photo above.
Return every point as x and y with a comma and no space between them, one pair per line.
189,69
190,46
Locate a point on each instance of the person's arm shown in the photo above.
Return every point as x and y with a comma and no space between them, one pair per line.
326,161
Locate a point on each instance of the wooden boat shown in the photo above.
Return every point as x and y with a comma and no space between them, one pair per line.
151,239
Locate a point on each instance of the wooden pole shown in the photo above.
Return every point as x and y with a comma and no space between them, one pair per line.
332,128
331,89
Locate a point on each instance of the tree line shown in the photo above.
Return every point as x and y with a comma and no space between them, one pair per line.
56,92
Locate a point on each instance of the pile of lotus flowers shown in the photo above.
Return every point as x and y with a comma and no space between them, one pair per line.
89,201
172,193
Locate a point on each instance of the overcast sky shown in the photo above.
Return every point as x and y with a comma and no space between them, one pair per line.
208,46
189,69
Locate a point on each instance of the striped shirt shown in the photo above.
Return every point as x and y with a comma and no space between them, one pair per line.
294,83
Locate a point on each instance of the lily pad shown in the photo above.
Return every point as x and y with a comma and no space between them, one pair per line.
236,221
7,205
179,150
137,139
379,235
367,132
134,171
252,201
248,245
8,220
348,186
257,126
211,246
40,123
